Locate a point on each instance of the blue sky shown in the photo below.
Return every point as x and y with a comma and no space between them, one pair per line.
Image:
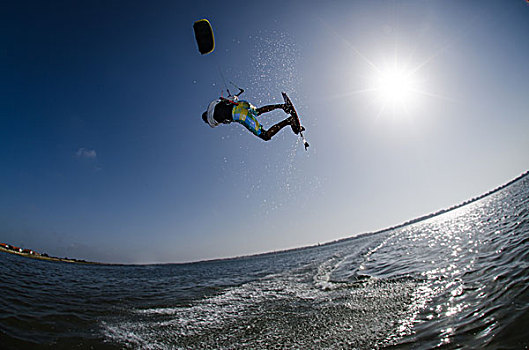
409,107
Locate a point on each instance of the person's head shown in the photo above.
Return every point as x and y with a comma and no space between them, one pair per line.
205,117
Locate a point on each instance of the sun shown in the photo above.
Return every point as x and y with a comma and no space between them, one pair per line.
395,88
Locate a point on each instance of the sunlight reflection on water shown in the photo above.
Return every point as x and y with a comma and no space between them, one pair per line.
460,280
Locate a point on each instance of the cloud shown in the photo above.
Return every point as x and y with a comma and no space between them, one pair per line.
86,153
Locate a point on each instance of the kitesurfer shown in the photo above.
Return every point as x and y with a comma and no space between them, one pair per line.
228,110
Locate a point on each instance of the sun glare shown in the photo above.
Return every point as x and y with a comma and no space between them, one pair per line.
395,88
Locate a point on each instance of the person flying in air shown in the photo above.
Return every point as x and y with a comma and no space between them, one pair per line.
226,111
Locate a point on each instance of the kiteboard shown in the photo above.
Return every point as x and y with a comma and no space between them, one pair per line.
297,128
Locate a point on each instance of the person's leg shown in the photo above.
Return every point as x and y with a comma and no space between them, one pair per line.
267,134
269,108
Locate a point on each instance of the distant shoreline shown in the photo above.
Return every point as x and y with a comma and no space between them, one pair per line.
410,222
387,229
49,258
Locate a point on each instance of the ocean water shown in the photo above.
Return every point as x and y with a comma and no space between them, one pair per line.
458,280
